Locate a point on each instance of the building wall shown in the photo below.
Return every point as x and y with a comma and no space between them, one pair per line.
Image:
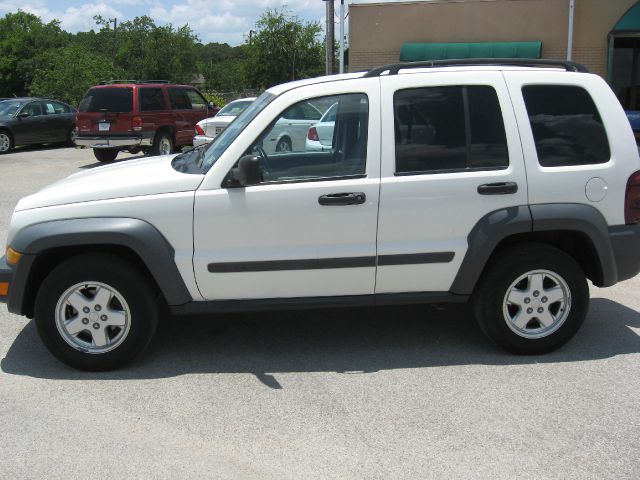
378,31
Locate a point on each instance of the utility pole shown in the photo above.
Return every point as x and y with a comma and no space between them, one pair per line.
115,29
341,36
570,31
330,36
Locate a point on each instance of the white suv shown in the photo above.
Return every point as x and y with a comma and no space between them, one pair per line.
506,183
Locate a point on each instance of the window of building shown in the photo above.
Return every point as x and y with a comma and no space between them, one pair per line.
294,149
566,126
151,99
440,129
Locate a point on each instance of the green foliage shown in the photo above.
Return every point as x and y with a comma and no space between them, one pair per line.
23,37
217,100
41,59
284,49
67,73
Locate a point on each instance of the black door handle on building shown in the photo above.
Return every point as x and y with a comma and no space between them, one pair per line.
499,188
354,198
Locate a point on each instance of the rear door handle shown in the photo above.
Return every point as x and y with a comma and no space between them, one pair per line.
498,188
353,198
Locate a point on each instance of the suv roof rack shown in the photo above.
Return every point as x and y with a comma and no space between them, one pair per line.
112,82
394,68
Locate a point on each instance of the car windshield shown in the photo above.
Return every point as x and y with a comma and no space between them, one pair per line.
9,108
116,99
234,108
229,134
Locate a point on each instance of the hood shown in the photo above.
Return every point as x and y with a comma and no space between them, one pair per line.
149,176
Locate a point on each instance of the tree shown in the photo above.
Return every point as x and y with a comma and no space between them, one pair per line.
67,73
284,49
23,37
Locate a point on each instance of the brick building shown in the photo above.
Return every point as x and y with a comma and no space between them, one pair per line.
606,34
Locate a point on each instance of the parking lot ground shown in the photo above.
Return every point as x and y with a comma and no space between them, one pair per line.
403,392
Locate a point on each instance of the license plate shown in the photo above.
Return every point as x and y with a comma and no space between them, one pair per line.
104,127
219,129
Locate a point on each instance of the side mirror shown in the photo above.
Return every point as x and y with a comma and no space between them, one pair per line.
212,105
249,171
23,115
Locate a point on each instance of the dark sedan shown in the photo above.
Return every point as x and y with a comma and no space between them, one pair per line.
29,121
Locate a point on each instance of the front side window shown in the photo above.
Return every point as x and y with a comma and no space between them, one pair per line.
32,109
297,147
566,126
452,128
196,100
150,99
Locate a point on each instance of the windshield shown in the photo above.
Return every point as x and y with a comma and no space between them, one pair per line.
115,99
229,134
234,108
8,108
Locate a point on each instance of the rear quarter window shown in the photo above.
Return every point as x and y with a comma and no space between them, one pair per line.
566,126
118,99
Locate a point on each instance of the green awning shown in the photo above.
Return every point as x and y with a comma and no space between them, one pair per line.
414,52
630,21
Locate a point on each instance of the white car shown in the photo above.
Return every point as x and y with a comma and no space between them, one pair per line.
210,128
289,133
320,135
507,184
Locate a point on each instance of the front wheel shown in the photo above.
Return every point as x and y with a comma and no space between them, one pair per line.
6,142
95,312
105,155
532,299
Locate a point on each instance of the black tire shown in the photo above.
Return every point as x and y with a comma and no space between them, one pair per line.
160,142
6,141
493,313
284,145
116,274
71,135
105,155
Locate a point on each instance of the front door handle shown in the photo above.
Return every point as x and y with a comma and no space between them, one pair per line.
353,198
499,188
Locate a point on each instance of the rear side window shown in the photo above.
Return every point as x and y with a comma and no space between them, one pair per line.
54,108
179,99
119,99
566,126
440,129
150,99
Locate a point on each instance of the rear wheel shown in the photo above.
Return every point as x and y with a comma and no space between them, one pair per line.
95,312
162,144
284,145
105,155
71,136
6,142
532,299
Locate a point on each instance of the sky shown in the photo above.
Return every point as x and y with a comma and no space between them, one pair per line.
227,21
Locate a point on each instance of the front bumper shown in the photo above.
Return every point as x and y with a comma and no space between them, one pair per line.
112,142
6,276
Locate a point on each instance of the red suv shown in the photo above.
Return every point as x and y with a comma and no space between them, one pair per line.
151,116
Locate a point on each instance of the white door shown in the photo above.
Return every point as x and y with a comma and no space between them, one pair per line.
448,139
309,228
